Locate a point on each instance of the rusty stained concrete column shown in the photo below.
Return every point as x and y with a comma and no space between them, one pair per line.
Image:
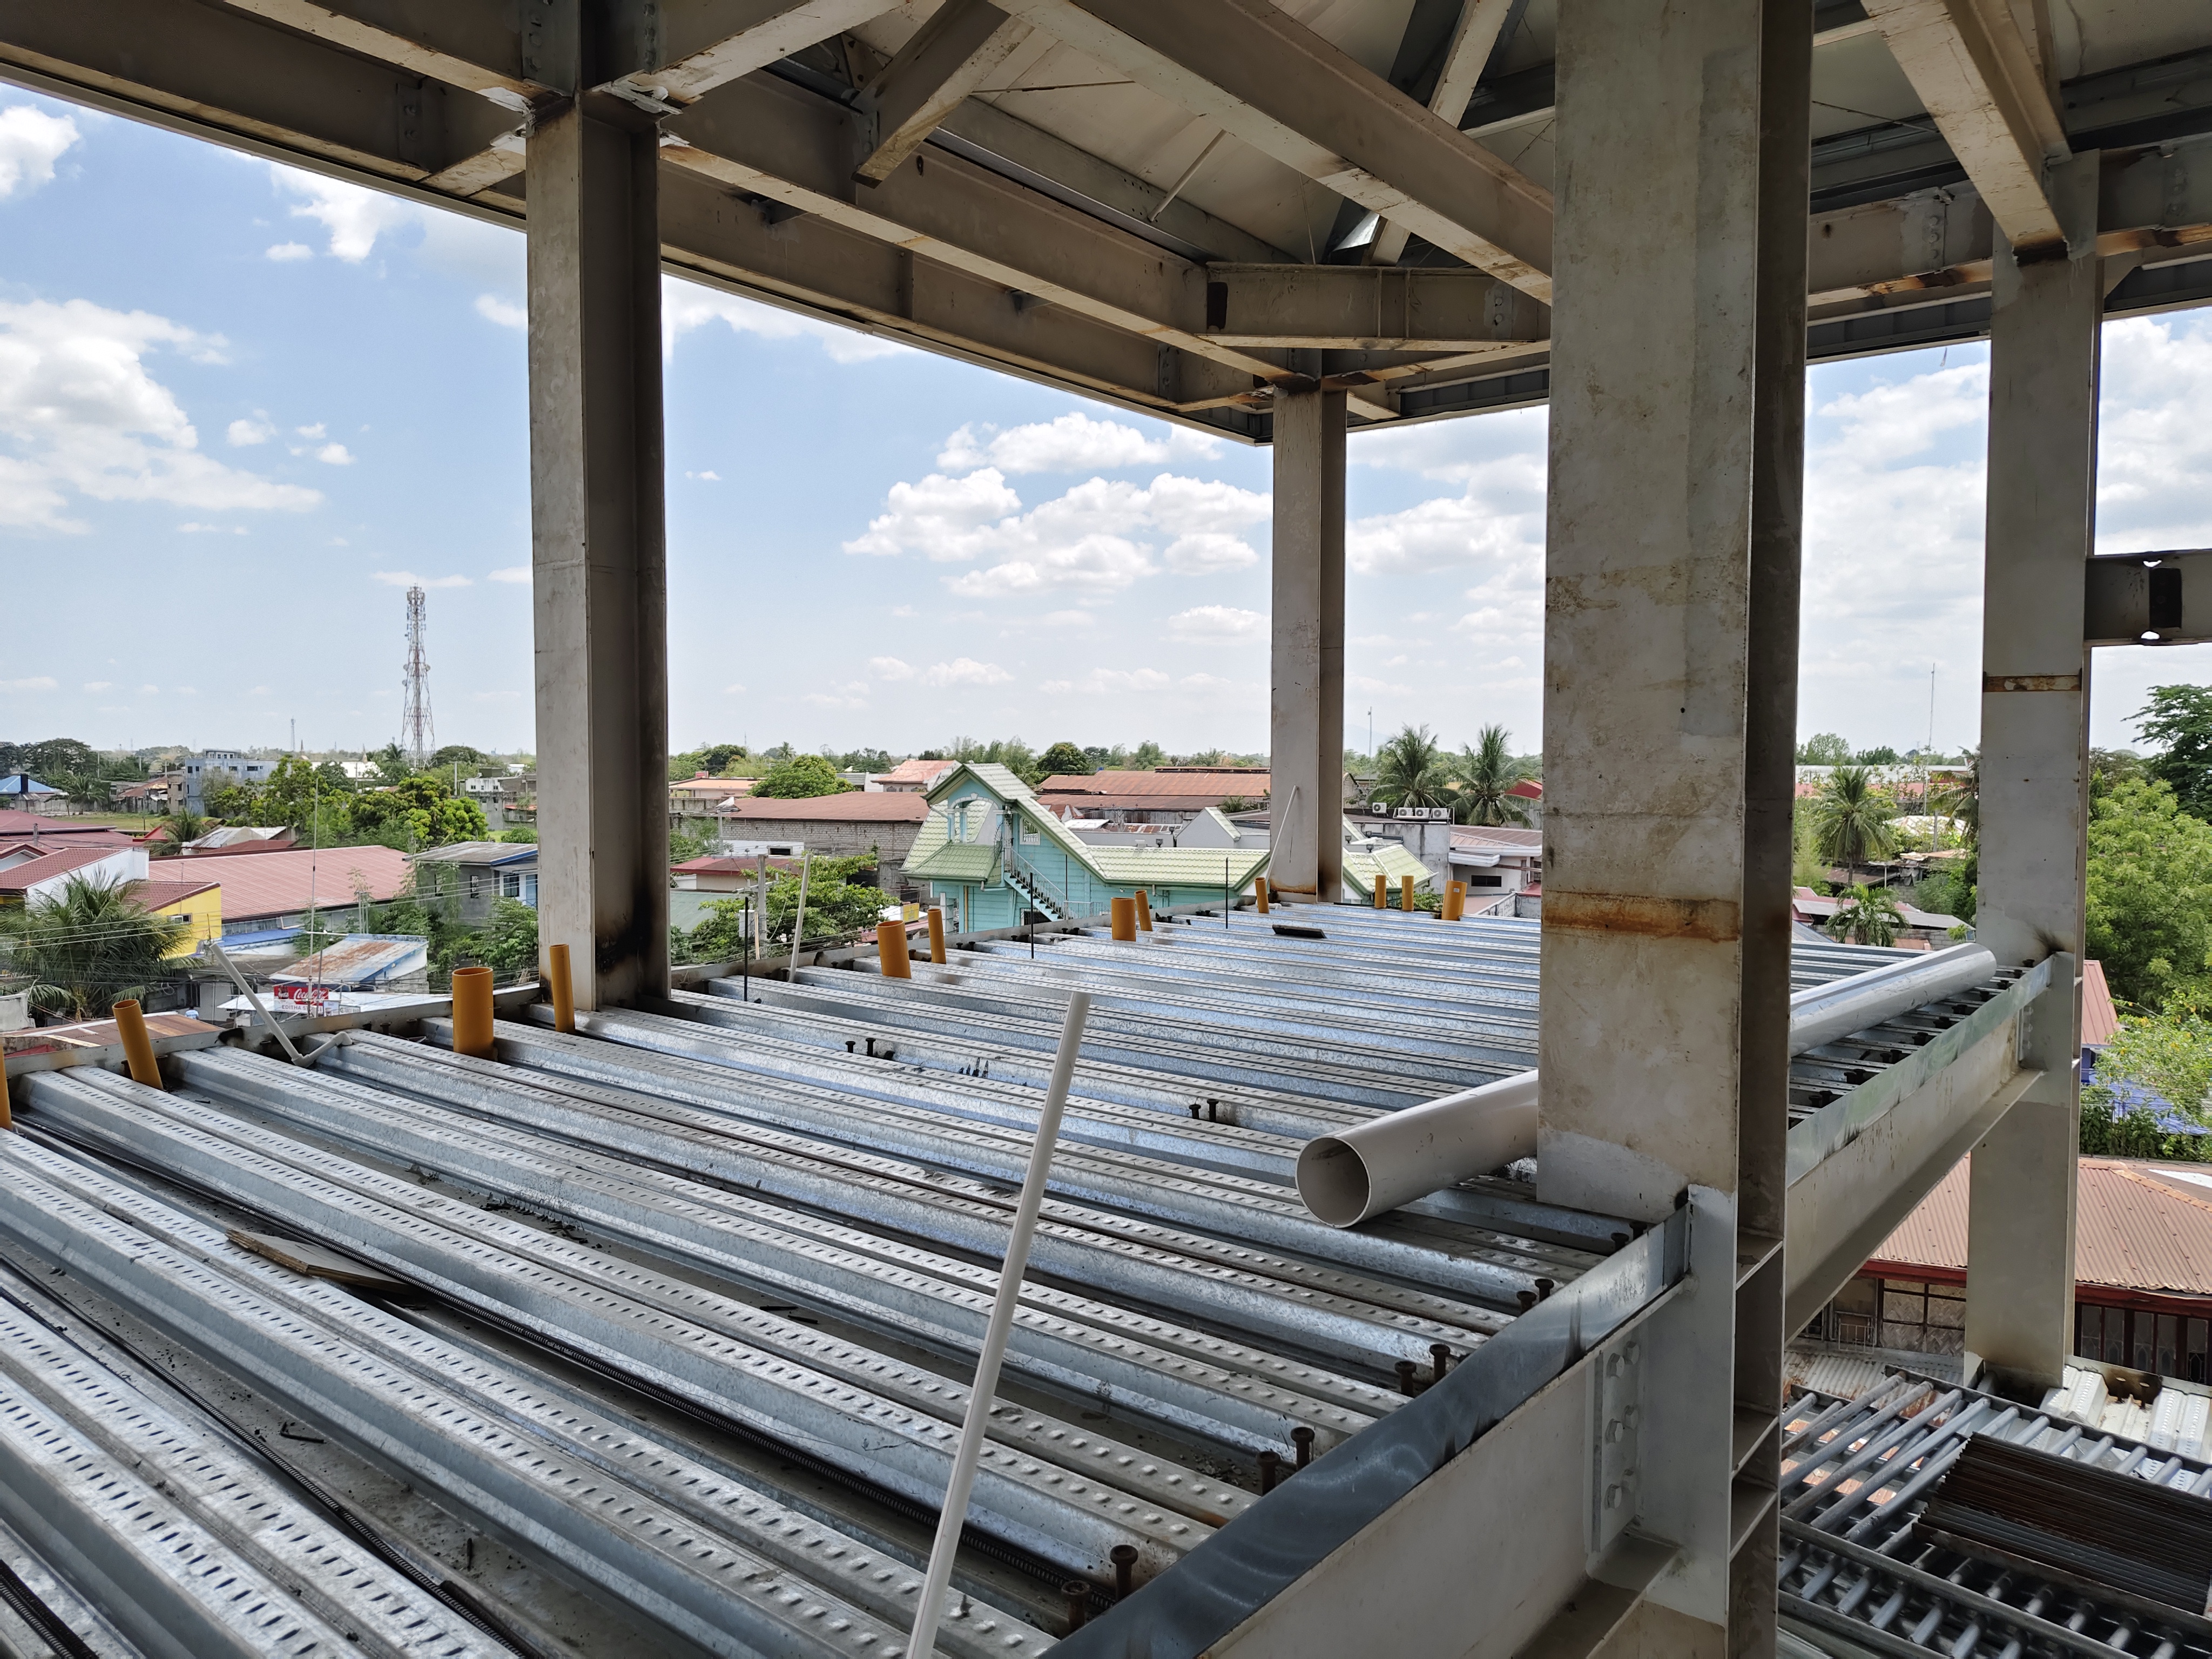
1305,729
1671,598
2040,522
598,557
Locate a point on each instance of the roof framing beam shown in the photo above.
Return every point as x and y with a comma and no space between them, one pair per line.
1981,80
949,56
1274,84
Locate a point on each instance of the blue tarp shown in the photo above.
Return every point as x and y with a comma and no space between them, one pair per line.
2130,1098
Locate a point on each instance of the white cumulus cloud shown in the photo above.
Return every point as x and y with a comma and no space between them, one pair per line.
100,685
335,454
243,432
1096,537
964,671
686,306
31,141
354,216
286,252
889,668
1073,443
409,578
36,682
512,573
1217,622
83,416
505,312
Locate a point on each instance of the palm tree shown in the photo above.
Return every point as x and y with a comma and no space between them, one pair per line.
1960,797
90,947
1851,818
1483,779
1410,770
1867,915
182,825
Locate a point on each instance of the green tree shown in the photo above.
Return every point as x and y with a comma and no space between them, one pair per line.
1483,779
2110,766
180,826
1867,915
1851,818
89,947
715,759
1824,749
2150,896
694,840
797,778
233,803
1148,757
2179,719
416,812
462,755
507,942
1959,795
310,799
391,761
837,906
1879,755
1410,770
1065,760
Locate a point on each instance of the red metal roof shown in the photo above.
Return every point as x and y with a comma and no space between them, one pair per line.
922,772
2100,1020
2137,1226
856,807
257,884
155,894
1189,790
22,877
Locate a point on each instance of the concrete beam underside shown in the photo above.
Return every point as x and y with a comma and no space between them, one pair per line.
1671,658
599,553
2044,350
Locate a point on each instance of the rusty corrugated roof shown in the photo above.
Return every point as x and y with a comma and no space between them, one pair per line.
2100,1020
2138,1226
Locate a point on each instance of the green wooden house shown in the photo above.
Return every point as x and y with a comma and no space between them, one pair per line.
989,851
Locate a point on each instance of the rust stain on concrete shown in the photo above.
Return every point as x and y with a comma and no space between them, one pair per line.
1720,922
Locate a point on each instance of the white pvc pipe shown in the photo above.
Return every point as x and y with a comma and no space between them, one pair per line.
1825,1012
986,1388
797,927
1352,1176
1388,1161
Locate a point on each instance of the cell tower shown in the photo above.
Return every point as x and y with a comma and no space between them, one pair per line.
418,736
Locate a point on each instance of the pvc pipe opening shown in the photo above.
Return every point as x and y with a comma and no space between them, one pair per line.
1333,1181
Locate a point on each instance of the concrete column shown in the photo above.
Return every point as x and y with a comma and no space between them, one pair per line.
1305,729
1669,710
598,558
2041,518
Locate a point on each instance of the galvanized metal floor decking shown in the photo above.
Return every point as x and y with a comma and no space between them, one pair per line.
687,1301
1858,1566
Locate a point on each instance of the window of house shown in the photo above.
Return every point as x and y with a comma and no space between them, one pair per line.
1485,881
1921,1317
510,884
2168,1345
1031,835
1855,1314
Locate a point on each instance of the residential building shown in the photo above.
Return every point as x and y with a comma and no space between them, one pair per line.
1498,861
359,962
700,796
727,874
199,903
360,771
45,876
203,773
476,873
878,822
240,838
270,892
2142,1273
990,851
1922,930
911,777
1172,794
30,794
32,835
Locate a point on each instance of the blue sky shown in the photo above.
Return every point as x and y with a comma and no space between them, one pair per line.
241,407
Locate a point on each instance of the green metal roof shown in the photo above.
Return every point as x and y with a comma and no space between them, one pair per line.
1179,866
935,856
1387,859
